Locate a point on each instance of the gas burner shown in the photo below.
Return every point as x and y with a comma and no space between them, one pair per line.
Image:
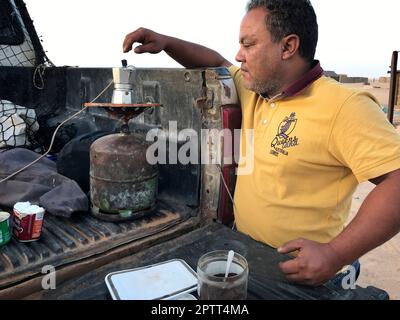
123,112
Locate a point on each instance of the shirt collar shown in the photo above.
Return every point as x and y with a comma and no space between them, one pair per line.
314,74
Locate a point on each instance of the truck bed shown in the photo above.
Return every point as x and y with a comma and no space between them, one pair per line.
265,279
82,243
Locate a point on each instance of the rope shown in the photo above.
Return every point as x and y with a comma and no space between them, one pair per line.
39,70
229,193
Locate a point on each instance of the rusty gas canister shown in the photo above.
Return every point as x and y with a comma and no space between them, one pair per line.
123,185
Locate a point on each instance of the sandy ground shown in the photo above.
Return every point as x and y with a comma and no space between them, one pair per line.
380,267
379,90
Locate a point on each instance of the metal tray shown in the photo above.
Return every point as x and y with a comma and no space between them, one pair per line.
168,280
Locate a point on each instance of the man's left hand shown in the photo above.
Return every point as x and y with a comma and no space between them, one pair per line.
315,264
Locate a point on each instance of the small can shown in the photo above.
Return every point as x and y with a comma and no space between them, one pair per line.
28,222
5,235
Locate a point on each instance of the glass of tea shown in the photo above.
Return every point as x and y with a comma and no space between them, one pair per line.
212,283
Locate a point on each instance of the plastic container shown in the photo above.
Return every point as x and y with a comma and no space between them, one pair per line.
169,280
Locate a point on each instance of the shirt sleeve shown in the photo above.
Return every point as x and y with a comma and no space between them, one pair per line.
363,139
237,78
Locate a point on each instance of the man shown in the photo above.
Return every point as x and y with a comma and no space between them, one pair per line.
314,141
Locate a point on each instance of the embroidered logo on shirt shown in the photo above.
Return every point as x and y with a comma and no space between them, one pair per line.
283,140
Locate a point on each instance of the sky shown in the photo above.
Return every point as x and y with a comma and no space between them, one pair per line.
357,37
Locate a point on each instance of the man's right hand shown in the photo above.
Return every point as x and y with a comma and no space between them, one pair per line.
151,41
189,55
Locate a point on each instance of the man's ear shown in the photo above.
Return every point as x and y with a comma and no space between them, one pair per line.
290,46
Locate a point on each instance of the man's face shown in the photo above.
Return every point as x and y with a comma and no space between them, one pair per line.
260,57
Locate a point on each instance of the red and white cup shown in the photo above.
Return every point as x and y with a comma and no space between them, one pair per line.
28,221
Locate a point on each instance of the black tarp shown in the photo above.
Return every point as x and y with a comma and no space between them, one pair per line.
39,184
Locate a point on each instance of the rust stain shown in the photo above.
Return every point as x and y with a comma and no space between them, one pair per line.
227,90
170,216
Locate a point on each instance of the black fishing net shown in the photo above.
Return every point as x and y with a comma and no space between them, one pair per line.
20,56
16,47
18,126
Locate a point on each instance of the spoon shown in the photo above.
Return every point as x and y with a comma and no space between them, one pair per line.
228,262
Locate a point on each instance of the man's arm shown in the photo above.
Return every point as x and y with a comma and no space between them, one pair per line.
377,221
188,54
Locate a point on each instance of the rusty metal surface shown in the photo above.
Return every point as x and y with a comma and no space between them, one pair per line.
66,241
221,90
122,182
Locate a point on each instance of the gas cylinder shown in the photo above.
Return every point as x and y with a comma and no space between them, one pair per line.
123,185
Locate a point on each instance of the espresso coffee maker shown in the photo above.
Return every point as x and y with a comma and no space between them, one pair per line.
123,84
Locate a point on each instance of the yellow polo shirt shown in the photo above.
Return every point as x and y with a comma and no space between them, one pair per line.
310,152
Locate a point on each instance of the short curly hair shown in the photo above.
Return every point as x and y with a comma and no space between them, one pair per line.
287,17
